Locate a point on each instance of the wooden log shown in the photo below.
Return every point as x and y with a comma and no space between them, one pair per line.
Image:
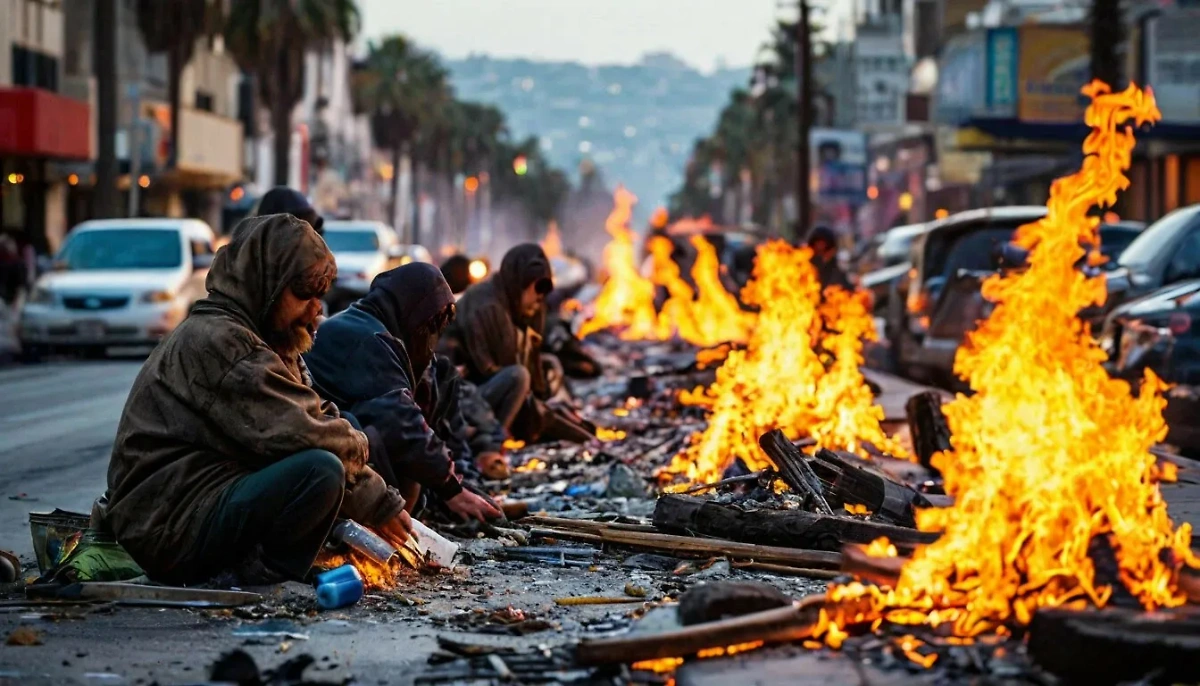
1115,645
584,524
787,570
682,514
884,571
700,546
848,483
792,623
794,469
927,426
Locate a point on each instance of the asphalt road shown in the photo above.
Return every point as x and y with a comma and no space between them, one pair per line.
57,423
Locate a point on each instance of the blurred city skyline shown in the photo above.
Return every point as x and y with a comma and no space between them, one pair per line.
703,33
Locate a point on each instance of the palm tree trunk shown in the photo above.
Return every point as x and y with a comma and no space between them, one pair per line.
105,67
175,67
281,124
397,150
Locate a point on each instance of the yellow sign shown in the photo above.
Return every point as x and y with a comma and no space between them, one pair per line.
1054,65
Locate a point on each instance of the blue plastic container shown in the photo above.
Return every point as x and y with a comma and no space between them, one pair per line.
339,593
338,574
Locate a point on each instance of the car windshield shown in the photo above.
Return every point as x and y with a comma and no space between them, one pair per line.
352,241
1149,243
973,249
1114,241
896,245
122,249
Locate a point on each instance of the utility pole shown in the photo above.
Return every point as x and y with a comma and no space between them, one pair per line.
135,147
804,120
104,65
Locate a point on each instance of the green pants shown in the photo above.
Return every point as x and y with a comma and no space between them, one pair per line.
282,512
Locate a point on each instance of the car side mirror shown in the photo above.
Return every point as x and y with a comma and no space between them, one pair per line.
200,262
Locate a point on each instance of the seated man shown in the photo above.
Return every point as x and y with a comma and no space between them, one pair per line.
498,336
225,459
376,360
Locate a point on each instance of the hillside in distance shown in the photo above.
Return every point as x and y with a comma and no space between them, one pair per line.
636,123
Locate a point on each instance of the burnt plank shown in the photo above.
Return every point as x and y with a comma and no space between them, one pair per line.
845,483
927,426
786,528
794,469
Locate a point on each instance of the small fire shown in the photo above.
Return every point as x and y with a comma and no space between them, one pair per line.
798,372
626,302
513,444
375,576
552,243
1051,459
718,316
533,465
606,435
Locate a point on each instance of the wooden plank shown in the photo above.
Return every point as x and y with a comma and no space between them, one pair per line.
787,528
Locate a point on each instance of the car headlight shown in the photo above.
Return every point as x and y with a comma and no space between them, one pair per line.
41,296
158,297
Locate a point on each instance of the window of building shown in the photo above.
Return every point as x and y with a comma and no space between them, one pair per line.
34,69
204,101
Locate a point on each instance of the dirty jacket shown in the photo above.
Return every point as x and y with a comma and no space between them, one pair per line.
490,332
361,362
214,402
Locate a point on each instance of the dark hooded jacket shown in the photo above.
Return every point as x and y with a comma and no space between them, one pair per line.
829,272
281,199
490,332
214,402
360,361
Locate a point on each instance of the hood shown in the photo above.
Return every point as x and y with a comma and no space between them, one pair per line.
1162,301
521,266
263,256
106,280
406,297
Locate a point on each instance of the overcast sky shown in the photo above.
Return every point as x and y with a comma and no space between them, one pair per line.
591,31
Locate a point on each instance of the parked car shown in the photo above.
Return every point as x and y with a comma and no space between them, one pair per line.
1167,252
1161,331
964,241
364,249
890,248
117,282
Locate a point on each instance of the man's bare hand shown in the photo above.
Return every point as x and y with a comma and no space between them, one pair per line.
470,506
398,529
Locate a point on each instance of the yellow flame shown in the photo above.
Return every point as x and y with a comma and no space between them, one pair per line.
626,301
606,434
1050,455
552,243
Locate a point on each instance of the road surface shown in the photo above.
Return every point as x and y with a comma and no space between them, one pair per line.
57,423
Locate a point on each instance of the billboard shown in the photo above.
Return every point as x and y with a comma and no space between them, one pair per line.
1173,64
839,158
1054,66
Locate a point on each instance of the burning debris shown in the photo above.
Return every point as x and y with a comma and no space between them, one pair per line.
1051,458
627,299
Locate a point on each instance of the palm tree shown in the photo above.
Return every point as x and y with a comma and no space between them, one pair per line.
173,27
403,89
270,38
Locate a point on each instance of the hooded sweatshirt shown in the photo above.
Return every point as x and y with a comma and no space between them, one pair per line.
214,402
361,361
490,332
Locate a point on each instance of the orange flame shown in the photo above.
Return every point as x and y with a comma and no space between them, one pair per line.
780,380
1051,455
626,302
552,243
375,576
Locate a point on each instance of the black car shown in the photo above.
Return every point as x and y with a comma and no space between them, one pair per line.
964,242
1161,332
977,250
1167,252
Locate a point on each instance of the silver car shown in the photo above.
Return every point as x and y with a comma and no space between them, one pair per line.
364,250
118,282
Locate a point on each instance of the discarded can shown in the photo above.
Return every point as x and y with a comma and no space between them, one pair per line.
338,574
363,540
339,593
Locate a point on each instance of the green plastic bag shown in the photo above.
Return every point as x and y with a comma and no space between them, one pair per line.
98,557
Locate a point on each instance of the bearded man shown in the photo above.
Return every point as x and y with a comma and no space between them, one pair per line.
225,459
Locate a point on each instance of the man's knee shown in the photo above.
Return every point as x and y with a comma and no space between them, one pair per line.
325,472
518,378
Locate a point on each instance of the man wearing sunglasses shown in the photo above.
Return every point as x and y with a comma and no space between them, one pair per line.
498,337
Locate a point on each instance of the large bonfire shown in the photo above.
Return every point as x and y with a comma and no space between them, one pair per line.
799,372
1051,458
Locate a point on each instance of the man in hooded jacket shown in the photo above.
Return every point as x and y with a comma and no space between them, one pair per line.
225,458
376,359
498,336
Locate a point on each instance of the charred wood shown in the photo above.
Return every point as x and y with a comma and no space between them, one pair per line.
927,425
719,600
789,528
848,483
794,469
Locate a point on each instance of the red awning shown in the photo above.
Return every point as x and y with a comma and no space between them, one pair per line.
38,123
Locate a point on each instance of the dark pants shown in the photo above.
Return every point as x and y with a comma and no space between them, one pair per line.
285,511
506,392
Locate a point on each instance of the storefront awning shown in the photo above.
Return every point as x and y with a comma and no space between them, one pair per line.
39,123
